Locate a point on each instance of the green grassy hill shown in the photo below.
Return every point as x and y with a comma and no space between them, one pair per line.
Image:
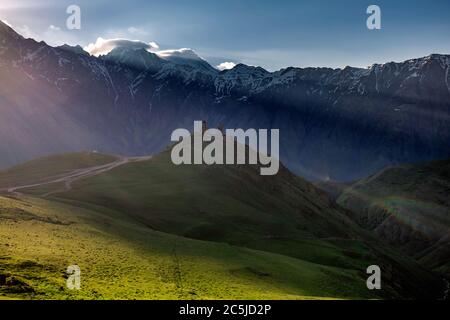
408,207
163,231
121,258
231,204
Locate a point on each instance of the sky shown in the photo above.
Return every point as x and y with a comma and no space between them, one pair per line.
270,33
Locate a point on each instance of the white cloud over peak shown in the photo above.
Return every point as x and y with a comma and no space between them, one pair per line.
104,46
184,53
226,66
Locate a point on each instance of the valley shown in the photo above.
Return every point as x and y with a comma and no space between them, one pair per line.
151,230
358,176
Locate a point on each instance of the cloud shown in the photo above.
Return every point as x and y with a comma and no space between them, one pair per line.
138,31
24,30
54,28
105,46
226,66
56,36
154,45
183,53
52,35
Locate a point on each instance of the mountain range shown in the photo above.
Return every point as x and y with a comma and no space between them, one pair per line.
335,124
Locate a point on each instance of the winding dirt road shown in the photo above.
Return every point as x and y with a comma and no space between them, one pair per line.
69,178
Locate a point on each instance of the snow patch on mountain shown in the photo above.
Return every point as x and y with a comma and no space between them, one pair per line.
135,58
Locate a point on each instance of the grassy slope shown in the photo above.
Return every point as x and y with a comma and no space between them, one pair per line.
123,259
409,207
38,170
229,204
283,215
235,205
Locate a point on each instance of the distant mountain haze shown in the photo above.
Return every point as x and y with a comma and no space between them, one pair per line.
335,124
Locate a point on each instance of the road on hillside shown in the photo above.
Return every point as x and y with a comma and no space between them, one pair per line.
70,177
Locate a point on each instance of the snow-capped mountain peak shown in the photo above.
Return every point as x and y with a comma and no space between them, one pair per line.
138,58
187,57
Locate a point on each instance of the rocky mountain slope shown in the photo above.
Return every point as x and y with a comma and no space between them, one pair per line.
408,207
338,124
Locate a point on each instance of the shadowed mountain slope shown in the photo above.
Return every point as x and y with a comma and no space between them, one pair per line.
335,124
408,207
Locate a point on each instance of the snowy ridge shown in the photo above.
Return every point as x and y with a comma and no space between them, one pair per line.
241,82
